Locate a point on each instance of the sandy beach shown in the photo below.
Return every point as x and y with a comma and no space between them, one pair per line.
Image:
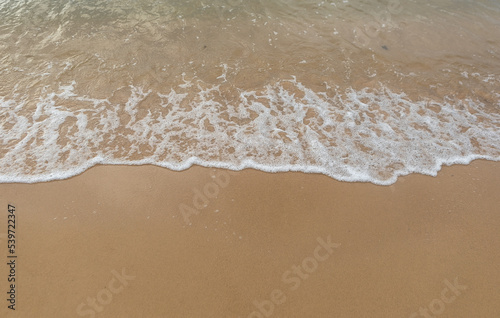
104,105
124,241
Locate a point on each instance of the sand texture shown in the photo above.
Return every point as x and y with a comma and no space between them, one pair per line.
115,242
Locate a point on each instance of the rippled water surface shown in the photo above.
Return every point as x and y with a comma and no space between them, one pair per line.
358,90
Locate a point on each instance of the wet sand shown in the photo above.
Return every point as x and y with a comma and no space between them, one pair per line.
113,242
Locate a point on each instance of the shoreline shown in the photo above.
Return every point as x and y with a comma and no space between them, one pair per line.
194,162
114,241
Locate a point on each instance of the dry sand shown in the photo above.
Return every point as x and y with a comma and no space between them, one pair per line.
115,235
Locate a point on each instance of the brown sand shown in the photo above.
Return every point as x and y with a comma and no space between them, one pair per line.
401,245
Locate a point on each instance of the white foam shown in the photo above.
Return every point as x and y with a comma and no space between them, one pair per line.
367,135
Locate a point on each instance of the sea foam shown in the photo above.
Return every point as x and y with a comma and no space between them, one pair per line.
369,135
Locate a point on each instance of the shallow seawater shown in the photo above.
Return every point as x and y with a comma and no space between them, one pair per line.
357,90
